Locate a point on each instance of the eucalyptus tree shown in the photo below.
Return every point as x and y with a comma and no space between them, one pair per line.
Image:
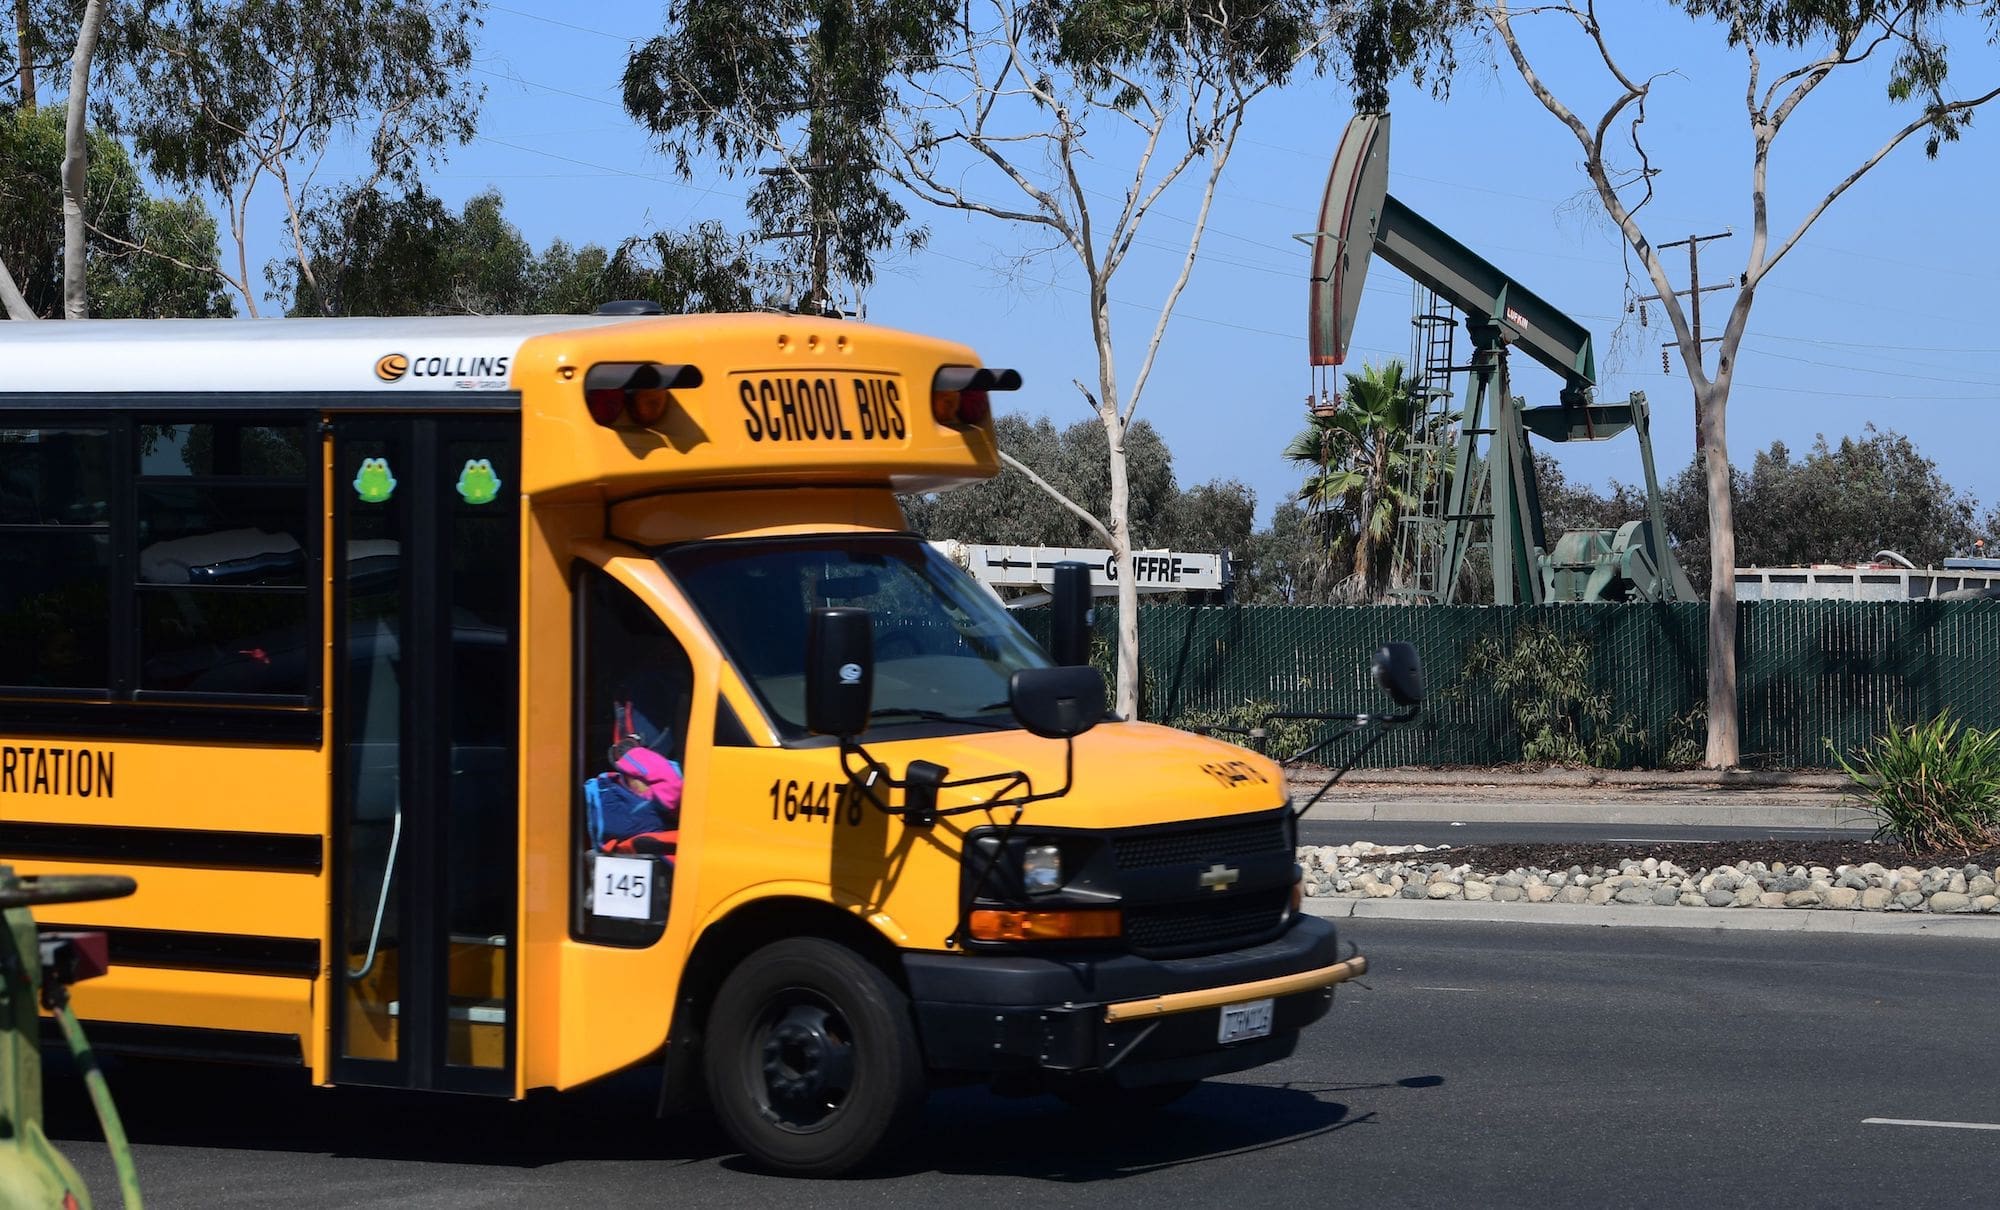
796,93
1788,49
228,96
1842,502
124,215
1052,482
373,253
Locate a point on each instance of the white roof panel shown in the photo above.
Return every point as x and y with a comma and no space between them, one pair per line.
279,355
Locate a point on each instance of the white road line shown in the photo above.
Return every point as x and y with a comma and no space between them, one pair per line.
1444,989
1922,1122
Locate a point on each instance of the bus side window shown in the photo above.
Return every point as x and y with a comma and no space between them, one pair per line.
635,688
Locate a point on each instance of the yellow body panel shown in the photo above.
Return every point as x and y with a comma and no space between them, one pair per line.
749,423
157,784
245,902
199,999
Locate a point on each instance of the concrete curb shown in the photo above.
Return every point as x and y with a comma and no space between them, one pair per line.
1732,779
1766,920
1505,808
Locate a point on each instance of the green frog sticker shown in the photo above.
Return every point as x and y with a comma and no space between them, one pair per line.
374,483
477,483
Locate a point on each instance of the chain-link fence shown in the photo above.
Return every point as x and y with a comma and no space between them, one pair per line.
1808,671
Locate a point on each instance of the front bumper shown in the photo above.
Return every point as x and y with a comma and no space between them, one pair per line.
1138,1020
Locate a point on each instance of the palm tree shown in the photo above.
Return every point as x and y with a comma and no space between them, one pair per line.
1359,463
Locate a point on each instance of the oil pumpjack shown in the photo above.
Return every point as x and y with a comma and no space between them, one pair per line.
1492,483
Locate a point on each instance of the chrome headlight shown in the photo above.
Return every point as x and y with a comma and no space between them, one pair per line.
1041,869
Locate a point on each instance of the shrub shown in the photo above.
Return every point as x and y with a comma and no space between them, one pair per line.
1284,738
1687,742
1934,786
1545,679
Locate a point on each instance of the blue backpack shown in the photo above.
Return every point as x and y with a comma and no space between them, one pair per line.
615,812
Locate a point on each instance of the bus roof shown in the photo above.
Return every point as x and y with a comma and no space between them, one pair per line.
171,356
758,400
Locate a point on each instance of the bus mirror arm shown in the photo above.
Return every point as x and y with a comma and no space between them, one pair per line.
923,780
1380,724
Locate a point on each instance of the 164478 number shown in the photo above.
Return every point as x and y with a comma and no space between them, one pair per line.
807,802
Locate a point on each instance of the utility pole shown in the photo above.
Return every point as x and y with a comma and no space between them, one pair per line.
1693,293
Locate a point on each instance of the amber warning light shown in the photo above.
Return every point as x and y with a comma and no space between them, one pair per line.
960,394
634,392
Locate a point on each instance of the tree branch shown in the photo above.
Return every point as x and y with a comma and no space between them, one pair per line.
1930,116
1187,262
11,298
1593,150
214,271
1057,496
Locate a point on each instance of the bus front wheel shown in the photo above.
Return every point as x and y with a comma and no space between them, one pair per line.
812,1058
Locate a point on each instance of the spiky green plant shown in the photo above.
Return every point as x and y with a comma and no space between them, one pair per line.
1933,786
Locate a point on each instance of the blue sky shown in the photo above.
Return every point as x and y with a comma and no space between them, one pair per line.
1878,316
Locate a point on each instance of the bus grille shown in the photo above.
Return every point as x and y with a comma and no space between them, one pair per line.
1199,924
1152,849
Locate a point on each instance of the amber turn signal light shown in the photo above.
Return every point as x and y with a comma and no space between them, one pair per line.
961,395
993,924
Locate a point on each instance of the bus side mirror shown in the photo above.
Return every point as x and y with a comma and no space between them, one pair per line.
1069,604
1057,703
1399,672
840,671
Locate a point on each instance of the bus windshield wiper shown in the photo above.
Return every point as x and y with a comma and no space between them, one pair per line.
938,716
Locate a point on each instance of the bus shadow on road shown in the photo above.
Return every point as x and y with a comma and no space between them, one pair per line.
963,1131
974,1133
168,1104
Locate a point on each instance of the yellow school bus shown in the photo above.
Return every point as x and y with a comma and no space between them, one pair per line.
344,639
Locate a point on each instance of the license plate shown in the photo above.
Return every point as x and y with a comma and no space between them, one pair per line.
1250,1019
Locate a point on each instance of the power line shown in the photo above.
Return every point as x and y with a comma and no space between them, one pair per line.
1827,365
582,29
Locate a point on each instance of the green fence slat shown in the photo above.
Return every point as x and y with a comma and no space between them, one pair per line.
1808,672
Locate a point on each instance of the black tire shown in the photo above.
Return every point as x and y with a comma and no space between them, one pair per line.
1098,1094
812,1059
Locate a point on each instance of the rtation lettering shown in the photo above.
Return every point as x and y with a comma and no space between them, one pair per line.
63,772
822,409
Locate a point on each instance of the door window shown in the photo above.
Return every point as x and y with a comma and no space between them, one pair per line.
634,694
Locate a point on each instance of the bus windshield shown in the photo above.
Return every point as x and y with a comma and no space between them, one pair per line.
944,647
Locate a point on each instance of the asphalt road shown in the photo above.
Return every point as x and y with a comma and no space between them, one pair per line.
1380,831
1490,1065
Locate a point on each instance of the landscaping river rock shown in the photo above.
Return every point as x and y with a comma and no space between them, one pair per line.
1370,871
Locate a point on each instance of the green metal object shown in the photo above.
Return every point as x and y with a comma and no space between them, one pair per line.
32,1172
1358,217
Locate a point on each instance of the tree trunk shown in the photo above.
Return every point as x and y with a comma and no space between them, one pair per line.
76,164
1364,542
27,61
1723,739
1127,703
11,300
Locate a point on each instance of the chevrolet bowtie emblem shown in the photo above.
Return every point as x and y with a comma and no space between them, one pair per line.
1219,877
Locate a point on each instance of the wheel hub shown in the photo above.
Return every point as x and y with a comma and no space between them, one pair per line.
808,1065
